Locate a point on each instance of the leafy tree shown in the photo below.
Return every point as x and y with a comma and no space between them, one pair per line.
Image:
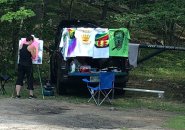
159,17
13,13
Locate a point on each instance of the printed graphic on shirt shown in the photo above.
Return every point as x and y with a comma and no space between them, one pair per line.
118,42
72,41
101,48
86,39
118,39
101,40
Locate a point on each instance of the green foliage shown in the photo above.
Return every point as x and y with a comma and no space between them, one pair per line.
160,17
18,15
165,11
167,64
176,123
3,1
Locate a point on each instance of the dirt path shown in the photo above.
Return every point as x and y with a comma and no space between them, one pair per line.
26,114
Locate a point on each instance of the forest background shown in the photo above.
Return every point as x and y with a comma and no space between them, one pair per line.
159,22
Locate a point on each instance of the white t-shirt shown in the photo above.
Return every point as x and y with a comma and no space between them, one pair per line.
85,41
101,47
68,42
64,42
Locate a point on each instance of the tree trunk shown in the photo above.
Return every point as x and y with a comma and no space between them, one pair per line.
70,9
15,38
42,18
104,10
165,32
15,33
171,31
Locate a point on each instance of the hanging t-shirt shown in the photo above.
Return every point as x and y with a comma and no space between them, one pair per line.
118,42
85,41
133,54
68,42
101,47
63,42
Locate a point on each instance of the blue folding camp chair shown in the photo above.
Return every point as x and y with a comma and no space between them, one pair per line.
104,88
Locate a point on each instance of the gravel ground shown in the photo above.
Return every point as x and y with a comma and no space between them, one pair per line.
34,114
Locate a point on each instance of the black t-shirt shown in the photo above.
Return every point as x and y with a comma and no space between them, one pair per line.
25,56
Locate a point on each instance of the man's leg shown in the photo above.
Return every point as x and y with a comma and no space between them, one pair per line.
31,92
29,74
18,89
19,82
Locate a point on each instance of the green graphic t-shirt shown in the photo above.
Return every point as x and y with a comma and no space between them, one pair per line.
118,42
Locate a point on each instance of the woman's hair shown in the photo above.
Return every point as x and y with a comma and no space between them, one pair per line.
29,38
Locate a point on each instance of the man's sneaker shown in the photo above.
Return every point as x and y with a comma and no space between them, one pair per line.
18,97
32,97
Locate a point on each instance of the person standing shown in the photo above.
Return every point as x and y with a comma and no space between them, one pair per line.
27,51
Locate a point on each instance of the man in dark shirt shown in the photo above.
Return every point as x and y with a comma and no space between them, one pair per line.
26,53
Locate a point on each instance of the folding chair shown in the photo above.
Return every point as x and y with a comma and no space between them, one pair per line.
104,88
4,79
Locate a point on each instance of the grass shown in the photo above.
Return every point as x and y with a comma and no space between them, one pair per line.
10,89
121,102
167,65
150,103
176,123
